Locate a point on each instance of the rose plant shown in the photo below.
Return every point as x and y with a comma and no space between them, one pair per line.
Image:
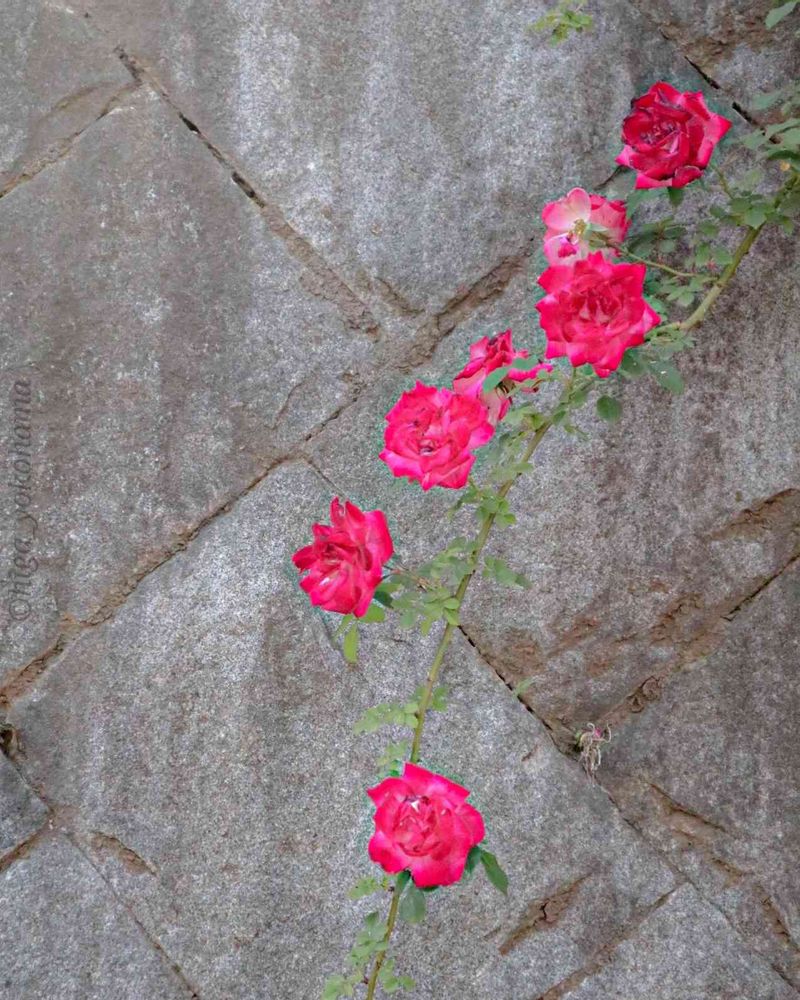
610,283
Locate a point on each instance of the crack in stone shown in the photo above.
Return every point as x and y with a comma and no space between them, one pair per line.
59,822
698,835
542,914
604,954
561,736
684,820
63,146
695,826
72,629
319,279
23,849
105,843
489,286
697,650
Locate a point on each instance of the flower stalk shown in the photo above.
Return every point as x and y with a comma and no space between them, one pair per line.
596,317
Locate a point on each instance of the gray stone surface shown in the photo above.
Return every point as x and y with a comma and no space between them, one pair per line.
55,79
226,806
710,773
413,144
682,951
21,812
729,41
64,935
173,351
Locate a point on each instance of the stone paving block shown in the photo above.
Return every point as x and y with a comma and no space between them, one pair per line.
172,353
205,749
640,540
684,950
21,812
55,77
64,935
729,42
413,144
709,773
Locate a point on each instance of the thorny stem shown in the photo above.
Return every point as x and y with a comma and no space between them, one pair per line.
695,319
433,673
714,293
390,922
723,182
662,267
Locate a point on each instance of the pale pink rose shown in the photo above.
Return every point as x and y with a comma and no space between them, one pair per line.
567,238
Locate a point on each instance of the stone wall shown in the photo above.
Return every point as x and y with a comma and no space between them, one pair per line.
232,231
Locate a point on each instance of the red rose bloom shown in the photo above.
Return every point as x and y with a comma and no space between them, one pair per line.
594,311
423,823
669,137
430,435
344,563
486,355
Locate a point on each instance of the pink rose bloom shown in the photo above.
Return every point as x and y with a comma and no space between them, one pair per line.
344,563
423,823
566,239
431,433
486,355
593,312
669,137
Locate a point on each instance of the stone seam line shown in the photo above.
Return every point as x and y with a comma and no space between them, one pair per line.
56,825
562,747
65,144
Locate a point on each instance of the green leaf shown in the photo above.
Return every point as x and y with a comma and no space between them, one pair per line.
390,762
473,858
350,644
374,613
383,596
494,872
439,699
345,623
632,364
675,196
791,138
668,376
638,195
609,409
402,880
493,379
335,987
497,569
388,714
761,102
777,14
412,905
364,887
523,686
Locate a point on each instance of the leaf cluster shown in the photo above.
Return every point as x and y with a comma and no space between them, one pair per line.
565,18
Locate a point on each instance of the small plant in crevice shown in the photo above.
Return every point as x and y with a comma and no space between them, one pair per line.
566,17
622,298
589,742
